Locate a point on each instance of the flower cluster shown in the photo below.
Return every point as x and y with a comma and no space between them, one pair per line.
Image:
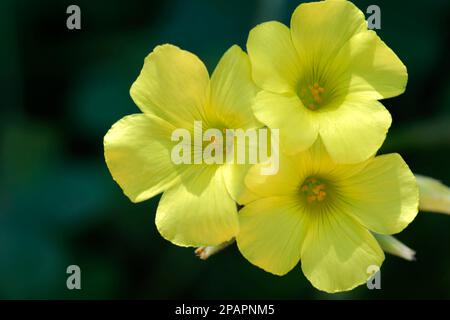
318,82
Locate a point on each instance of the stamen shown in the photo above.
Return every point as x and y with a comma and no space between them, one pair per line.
314,190
312,96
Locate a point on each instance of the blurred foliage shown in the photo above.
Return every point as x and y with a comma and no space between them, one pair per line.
62,90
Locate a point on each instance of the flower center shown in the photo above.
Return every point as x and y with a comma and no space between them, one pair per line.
312,96
314,190
224,139
222,144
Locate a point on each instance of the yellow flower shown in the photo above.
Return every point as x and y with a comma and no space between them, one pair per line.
173,90
321,213
323,78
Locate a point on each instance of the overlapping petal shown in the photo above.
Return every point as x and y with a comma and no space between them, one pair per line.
383,196
298,126
199,211
233,91
234,177
284,182
271,234
338,252
354,131
376,71
137,152
275,62
174,85
320,29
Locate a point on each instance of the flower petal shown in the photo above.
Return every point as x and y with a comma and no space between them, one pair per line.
233,90
284,182
294,169
275,63
355,130
234,175
272,232
320,29
137,152
383,196
173,84
199,211
317,161
376,71
298,126
337,252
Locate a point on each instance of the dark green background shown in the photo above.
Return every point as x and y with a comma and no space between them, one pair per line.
61,90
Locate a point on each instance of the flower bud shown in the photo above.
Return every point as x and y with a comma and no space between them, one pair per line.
433,195
393,246
205,252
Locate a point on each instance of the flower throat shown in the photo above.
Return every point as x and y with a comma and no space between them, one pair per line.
314,190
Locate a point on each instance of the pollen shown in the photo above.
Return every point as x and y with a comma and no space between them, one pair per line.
221,143
312,96
214,139
314,190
